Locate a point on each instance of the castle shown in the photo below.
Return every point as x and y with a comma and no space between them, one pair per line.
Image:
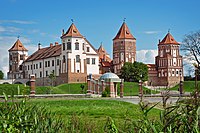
76,59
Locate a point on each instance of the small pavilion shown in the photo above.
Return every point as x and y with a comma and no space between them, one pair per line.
107,80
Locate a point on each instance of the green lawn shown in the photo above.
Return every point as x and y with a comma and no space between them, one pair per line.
188,86
94,112
130,88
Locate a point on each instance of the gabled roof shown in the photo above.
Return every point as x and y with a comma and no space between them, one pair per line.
124,33
72,32
18,46
44,53
168,39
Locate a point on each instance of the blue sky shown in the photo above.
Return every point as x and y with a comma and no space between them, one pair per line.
99,21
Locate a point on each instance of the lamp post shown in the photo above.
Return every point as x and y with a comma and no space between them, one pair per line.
181,83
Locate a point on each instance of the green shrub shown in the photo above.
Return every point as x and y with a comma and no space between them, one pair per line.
21,117
106,92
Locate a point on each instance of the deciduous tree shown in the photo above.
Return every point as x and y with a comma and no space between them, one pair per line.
1,74
134,71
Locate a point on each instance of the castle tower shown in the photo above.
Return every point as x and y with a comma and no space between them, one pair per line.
78,57
124,48
17,54
169,62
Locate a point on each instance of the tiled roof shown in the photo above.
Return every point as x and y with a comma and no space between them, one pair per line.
72,32
106,64
151,65
18,46
44,53
124,33
168,39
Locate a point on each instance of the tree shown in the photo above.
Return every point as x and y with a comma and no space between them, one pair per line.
1,74
191,47
52,78
134,71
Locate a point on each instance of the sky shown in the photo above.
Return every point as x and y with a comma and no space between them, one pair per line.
42,21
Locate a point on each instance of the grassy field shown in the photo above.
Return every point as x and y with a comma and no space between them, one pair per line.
94,112
130,88
188,86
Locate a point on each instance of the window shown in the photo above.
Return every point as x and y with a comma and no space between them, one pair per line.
10,57
45,63
88,60
63,46
46,73
35,75
64,60
40,74
77,58
76,46
36,66
48,63
176,72
28,67
88,49
31,67
83,46
57,62
10,67
93,60
69,46
40,64
21,57
52,62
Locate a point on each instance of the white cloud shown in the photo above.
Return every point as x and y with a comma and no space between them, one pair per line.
9,29
146,56
151,32
17,21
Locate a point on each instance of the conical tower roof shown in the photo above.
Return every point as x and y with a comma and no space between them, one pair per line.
168,39
18,46
72,32
124,33
101,48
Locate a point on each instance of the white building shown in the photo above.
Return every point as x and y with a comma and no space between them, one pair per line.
70,61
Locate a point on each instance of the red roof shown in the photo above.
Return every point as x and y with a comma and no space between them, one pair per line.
44,53
18,46
72,32
168,39
106,64
124,33
151,65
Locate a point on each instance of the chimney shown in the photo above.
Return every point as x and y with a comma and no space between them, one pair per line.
159,40
51,44
56,43
39,45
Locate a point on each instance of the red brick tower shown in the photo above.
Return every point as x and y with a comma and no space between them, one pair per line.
124,48
169,62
